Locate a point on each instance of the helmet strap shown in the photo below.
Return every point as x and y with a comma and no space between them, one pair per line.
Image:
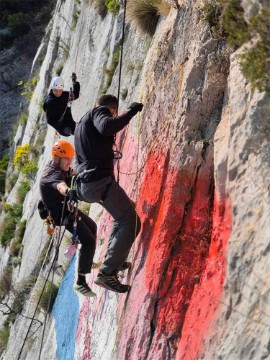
56,161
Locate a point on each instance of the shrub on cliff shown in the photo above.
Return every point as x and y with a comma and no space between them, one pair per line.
3,169
113,6
45,295
23,163
100,7
144,14
24,22
226,21
4,336
255,61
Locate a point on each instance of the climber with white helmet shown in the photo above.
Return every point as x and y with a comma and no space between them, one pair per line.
56,105
54,188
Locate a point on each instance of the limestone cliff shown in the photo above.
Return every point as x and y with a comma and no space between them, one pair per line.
196,163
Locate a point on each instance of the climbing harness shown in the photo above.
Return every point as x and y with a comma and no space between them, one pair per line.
50,225
57,239
73,208
69,103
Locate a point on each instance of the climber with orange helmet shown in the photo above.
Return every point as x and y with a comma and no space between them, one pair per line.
54,187
56,105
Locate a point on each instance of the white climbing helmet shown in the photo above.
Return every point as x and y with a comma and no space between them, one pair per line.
57,83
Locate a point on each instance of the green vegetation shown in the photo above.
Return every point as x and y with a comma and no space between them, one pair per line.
19,23
226,21
22,160
75,17
21,155
59,69
109,71
8,225
16,245
233,24
23,118
7,228
11,180
17,295
4,336
113,6
46,295
42,257
255,62
3,169
22,293
13,213
25,22
22,190
28,88
6,281
29,170
99,6
211,12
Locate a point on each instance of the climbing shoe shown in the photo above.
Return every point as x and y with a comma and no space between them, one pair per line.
125,266
112,283
84,289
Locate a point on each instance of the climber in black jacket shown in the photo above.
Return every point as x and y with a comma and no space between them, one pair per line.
94,140
56,106
54,187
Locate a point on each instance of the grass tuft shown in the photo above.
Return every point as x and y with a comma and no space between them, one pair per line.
143,14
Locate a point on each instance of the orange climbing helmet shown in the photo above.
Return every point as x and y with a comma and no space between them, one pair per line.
63,149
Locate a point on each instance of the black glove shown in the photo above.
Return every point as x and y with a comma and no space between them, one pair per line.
74,77
136,107
72,195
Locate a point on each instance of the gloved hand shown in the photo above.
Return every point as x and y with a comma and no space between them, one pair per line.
74,77
136,107
72,195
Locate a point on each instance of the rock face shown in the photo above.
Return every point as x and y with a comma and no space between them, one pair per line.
196,163
13,68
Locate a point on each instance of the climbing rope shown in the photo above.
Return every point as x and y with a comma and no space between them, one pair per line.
69,103
73,208
119,152
122,49
123,310
52,267
138,170
167,120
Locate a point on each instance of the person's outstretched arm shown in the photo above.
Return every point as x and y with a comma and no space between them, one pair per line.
108,125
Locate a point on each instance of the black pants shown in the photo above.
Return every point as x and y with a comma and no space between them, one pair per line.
126,224
87,234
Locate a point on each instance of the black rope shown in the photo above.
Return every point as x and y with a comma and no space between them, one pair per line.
46,316
121,53
52,265
120,74
74,210
46,280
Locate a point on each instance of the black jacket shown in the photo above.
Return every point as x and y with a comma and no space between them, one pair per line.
94,139
51,197
58,114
